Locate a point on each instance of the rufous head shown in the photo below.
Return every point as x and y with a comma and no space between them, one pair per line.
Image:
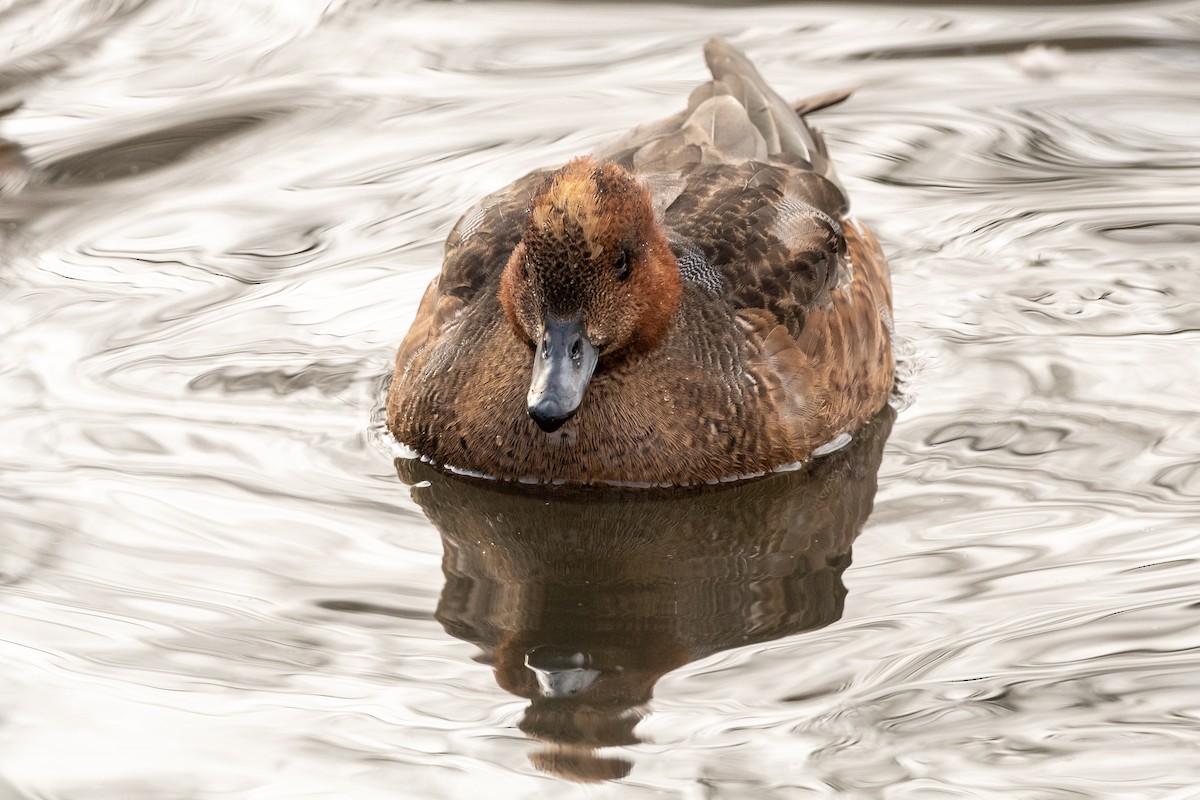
592,281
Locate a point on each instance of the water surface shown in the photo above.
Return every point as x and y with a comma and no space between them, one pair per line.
215,583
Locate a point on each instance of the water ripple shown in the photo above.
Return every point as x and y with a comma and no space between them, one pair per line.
216,223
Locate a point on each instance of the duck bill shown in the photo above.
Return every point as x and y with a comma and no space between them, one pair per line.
562,368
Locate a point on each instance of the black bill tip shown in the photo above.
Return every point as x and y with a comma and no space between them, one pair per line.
562,369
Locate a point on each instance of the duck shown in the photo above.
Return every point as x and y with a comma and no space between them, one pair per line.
690,304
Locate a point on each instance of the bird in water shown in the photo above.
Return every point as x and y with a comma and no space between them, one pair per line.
690,304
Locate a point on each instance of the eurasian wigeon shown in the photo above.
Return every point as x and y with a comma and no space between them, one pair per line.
690,304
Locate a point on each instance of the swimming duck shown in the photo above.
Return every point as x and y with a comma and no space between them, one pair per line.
691,304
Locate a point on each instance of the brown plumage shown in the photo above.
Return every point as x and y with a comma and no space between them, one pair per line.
687,305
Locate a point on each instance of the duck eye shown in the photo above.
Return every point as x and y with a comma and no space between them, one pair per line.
622,266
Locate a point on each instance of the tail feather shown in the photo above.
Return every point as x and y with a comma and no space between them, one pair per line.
776,120
730,66
732,118
822,101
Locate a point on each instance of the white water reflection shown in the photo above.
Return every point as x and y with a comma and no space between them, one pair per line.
215,585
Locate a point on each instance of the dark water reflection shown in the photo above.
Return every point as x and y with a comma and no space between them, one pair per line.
580,604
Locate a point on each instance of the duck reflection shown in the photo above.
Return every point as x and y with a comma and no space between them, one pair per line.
581,602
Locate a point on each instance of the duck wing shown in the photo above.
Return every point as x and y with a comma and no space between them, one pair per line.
749,194
476,251
773,235
746,190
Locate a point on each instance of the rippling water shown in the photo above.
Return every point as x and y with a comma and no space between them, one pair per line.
214,584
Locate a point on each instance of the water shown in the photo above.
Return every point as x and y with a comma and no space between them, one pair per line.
215,585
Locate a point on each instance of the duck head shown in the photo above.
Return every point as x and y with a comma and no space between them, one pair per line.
592,282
